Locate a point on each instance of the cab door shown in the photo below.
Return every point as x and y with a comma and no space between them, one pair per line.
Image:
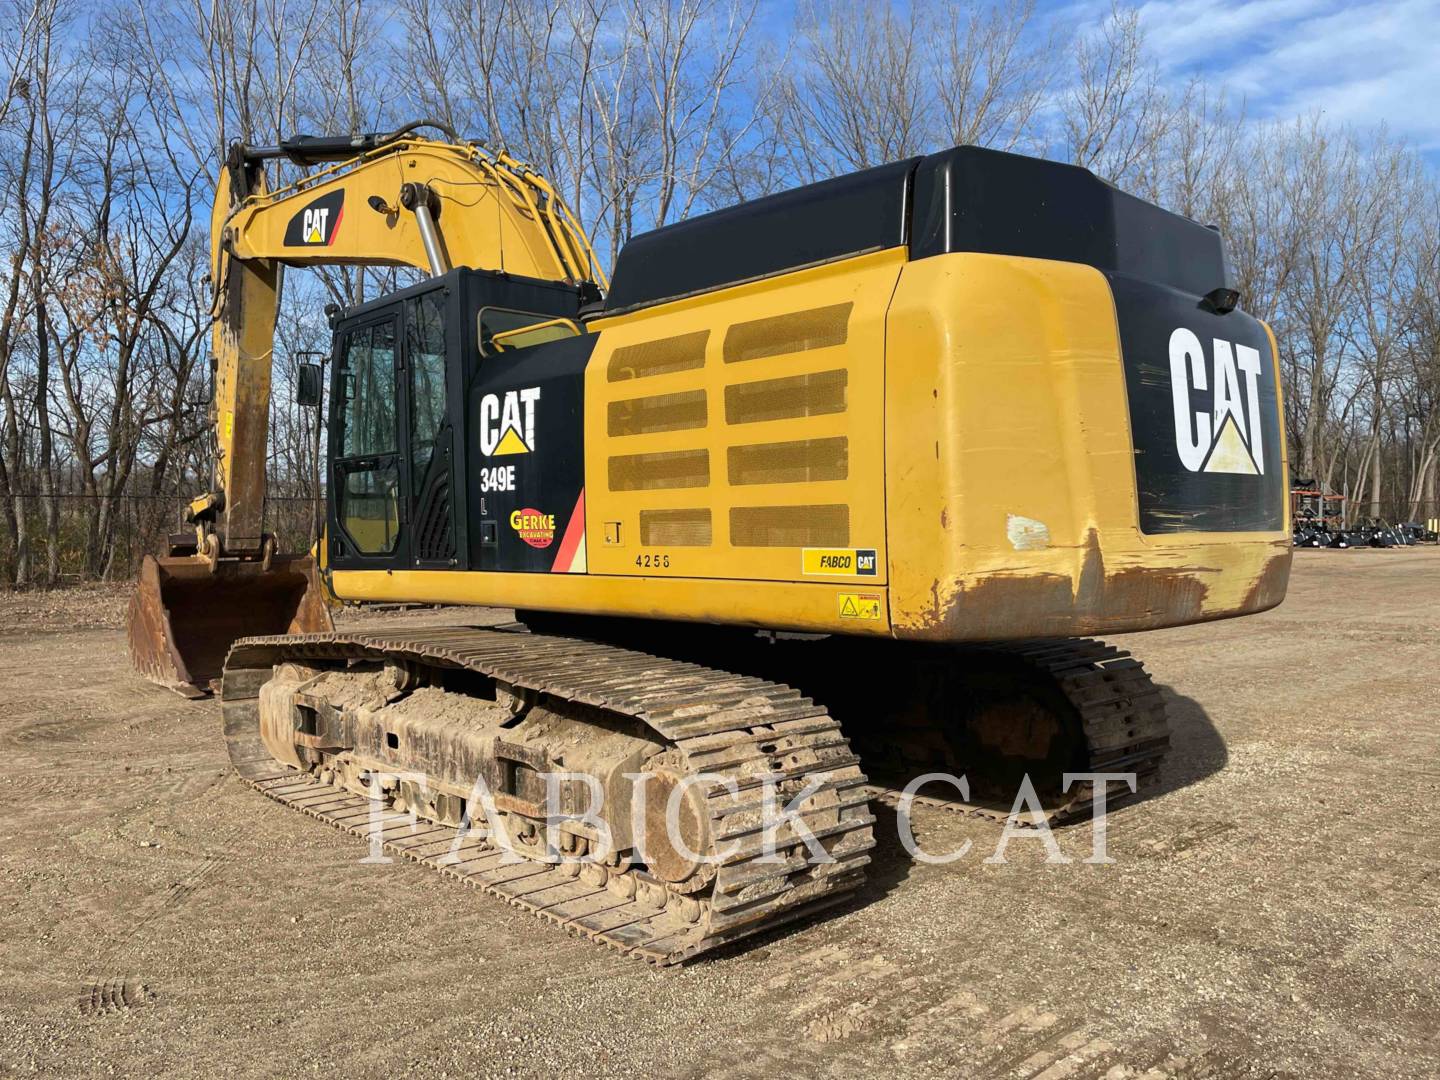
430,381
367,508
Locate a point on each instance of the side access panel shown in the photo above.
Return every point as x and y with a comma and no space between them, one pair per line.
525,462
740,434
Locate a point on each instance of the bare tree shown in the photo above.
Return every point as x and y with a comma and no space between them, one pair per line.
993,72
1382,302
1117,114
857,95
689,55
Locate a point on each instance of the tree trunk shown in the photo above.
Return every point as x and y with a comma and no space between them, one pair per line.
16,510
1375,474
7,511
45,468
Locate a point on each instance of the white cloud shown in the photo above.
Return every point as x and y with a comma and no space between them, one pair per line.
1362,63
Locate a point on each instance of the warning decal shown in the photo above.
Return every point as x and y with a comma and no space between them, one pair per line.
860,606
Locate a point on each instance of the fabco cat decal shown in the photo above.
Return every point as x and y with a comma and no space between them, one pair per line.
318,223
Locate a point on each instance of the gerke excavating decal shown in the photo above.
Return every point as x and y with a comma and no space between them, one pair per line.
535,527
316,224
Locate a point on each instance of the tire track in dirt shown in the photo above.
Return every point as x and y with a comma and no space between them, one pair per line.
108,984
925,1022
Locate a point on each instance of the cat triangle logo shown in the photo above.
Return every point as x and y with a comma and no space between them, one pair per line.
1230,454
511,443
507,422
1218,408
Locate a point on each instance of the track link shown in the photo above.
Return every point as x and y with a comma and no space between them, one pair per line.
733,727
1121,716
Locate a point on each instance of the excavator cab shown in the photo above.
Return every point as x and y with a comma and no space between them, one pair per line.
423,469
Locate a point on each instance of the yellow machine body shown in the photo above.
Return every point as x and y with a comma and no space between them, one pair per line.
963,416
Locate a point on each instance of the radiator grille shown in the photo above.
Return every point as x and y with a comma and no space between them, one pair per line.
799,462
672,469
815,328
818,394
663,412
675,528
683,352
790,526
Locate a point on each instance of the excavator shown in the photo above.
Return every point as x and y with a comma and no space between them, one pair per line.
822,496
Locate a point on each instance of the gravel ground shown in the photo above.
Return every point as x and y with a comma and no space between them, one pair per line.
1272,912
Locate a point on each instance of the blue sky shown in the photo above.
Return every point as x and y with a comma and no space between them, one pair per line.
1357,63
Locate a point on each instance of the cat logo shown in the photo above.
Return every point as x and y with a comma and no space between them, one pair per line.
1220,433
315,229
507,422
317,224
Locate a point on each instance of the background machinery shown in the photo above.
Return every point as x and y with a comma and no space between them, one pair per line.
842,474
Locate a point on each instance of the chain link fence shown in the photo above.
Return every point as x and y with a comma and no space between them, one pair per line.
105,538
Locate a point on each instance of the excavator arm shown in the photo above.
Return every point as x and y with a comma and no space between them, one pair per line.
394,199
389,201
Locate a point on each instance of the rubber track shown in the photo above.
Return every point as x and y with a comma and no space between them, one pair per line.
1122,714
725,724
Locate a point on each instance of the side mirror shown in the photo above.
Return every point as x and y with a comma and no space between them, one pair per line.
309,386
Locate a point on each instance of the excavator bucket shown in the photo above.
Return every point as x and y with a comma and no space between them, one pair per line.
184,616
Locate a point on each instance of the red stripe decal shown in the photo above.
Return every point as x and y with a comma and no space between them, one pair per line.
336,227
574,532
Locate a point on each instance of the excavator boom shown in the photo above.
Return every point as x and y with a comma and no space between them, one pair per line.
392,199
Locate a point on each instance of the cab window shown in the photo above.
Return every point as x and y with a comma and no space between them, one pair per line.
425,348
369,386
512,324
367,467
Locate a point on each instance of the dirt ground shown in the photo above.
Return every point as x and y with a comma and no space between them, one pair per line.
1275,911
